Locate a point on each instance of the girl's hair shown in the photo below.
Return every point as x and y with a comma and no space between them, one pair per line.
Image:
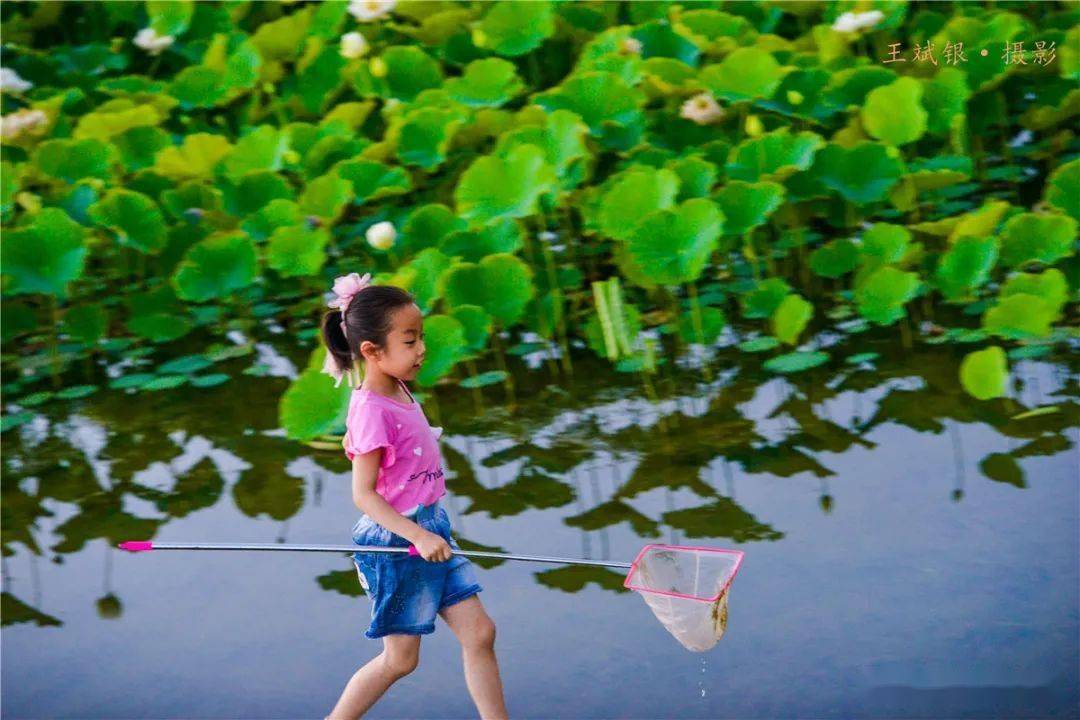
366,318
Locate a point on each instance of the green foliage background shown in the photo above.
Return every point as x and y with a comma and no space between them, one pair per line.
524,153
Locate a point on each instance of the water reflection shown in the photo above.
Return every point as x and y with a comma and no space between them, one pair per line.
597,453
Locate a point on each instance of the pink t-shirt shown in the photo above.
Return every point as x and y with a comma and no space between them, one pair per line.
411,471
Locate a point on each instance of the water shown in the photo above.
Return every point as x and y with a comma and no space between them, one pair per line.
909,551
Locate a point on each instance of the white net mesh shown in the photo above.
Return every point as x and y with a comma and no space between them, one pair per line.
687,589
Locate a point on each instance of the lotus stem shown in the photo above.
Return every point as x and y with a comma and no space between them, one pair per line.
699,330
54,344
615,305
905,333
478,397
604,315
500,358
749,254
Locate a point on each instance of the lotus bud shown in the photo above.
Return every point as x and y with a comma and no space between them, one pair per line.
353,45
368,10
794,97
313,221
702,109
630,46
194,214
151,42
11,82
377,67
478,37
291,156
381,235
853,22
754,128
15,124
892,152
28,201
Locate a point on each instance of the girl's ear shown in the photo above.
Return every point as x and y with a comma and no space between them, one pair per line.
369,349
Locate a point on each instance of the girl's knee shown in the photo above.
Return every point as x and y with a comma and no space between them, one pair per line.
482,635
400,661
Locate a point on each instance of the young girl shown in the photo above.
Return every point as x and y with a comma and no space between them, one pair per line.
397,480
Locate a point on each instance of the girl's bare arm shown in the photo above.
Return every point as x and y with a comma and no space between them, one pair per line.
365,473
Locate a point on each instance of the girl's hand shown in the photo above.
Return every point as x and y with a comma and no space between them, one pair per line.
433,547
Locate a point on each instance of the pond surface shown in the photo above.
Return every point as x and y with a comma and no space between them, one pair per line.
909,550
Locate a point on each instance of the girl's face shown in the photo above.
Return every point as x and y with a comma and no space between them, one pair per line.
404,350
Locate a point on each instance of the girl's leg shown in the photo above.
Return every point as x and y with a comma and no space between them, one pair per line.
399,657
476,632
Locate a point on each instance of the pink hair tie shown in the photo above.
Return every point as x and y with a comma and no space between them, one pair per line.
345,288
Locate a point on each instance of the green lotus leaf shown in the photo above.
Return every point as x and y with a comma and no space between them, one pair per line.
764,298
71,160
495,187
802,94
216,267
135,218
608,105
277,213
296,251
938,172
88,323
185,365
791,318
603,53
666,77
326,197
745,74
252,192
16,319
44,256
445,343
477,325
794,362
1062,188
500,236
514,28
861,174
748,205
885,243
1030,237
945,96
169,17
713,30
659,39
633,196
713,321
116,118
260,149
196,158
283,37
773,156
966,266
562,140
425,135
312,406
676,244
139,145
501,284
696,176
490,82
1050,285
407,71
835,258
759,344
849,88
981,222
156,315
373,180
1019,316
428,225
320,80
237,59
491,377
193,194
882,296
9,185
198,86
984,374
426,269
894,113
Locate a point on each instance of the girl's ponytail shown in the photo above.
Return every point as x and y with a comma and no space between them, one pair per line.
338,351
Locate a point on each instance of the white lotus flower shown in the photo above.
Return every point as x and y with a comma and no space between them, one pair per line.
15,124
381,235
702,109
630,46
353,45
853,22
10,81
368,10
151,42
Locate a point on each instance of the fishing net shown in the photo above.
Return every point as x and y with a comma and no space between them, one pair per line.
687,589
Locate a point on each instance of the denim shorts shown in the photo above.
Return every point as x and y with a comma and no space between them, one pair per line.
407,591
